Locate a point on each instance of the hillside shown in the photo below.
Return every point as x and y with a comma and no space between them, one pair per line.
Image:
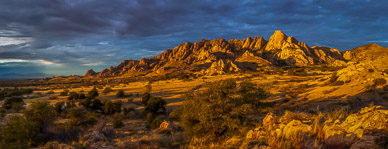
219,56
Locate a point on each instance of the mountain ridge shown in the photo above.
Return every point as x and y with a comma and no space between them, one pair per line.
219,56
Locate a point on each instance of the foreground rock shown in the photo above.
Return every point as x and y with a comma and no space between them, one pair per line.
358,130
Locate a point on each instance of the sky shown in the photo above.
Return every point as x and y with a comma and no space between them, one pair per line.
65,37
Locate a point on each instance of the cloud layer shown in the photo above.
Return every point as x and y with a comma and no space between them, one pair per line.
72,36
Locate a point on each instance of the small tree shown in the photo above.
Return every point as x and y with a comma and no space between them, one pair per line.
41,114
93,93
107,90
154,104
145,98
108,107
73,95
64,93
120,93
58,107
117,121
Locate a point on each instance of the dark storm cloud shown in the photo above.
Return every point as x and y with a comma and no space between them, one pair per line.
77,35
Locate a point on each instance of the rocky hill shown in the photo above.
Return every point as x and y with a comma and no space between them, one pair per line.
221,56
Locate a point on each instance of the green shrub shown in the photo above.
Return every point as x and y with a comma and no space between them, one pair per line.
53,97
336,83
3,112
154,104
58,107
120,94
333,77
74,95
8,103
17,133
145,98
150,117
29,130
224,109
380,81
107,90
93,93
291,72
64,93
14,92
112,107
117,121
79,117
156,123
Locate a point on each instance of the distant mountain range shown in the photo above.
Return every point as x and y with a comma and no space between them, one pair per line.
219,56
20,76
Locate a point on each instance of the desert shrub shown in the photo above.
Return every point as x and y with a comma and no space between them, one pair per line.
93,93
120,94
145,97
15,92
96,104
117,121
154,104
333,77
117,107
220,110
41,113
17,133
17,107
184,77
29,130
58,107
303,73
130,100
156,123
291,72
53,97
150,117
3,112
127,111
81,96
380,81
112,107
107,90
8,103
74,95
336,83
93,104
64,93
79,117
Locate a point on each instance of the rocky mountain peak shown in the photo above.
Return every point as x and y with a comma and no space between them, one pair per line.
224,56
89,73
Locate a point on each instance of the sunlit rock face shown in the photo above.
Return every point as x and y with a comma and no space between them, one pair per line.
221,56
297,53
